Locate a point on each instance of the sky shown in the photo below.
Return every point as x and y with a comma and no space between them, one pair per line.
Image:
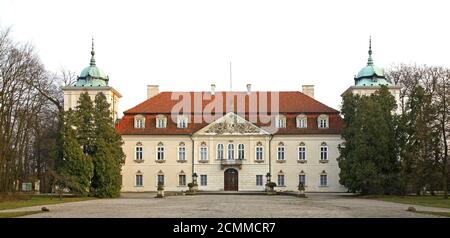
187,45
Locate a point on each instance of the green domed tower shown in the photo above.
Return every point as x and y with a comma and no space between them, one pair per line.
92,80
371,75
370,78
92,76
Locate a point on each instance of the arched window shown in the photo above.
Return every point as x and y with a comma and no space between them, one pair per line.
203,152
230,151
160,152
281,179
182,121
241,151
323,151
161,121
281,152
302,121
220,151
302,178
280,121
322,121
323,179
259,151
301,151
181,178
139,179
139,121
160,178
138,151
181,152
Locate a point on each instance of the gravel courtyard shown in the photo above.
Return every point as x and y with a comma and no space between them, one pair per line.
145,205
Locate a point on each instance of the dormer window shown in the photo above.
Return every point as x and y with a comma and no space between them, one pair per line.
280,121
182,122
302,121
161,121
322,121
139,121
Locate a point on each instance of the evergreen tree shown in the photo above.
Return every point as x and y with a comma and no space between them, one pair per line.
369,156
84,121
108,155
76,169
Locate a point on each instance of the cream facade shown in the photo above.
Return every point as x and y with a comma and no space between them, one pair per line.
211,155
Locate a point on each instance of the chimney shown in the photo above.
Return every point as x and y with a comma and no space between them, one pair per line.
152,90
249,89
308,90
213,89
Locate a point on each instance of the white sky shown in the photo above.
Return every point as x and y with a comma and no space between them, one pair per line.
274,45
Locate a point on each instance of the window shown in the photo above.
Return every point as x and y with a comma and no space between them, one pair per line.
230,151
280,122
203,151
161,179
181,152
259,151
259,180
182,122
161,121
241,151
302,151
138,153
139,181
281,180
322,121
280,150
139,121
220,151
302,121
182,180
323,180
203,180
160,151
302,179
323,151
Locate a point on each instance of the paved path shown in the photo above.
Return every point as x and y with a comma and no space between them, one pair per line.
145,205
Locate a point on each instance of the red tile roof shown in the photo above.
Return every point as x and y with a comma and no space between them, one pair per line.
290,104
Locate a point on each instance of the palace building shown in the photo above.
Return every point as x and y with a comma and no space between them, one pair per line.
228,141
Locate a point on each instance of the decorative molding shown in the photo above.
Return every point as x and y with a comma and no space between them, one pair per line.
323,161
281,161
138,160
181,161
160,161
302,161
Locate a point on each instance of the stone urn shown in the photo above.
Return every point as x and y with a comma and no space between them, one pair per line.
270,188
301,191
160,191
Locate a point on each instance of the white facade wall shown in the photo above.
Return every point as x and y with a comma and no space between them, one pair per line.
291,168
71,96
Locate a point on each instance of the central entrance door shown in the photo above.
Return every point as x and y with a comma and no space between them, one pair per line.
231,180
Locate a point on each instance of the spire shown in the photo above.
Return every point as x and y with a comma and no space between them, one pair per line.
92,53
370,60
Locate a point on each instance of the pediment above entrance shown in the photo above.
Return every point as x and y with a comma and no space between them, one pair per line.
231,124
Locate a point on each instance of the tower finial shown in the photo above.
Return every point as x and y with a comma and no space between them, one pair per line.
370,60
92,53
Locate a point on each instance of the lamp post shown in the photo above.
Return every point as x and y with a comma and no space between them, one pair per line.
194,182
268,176
194,178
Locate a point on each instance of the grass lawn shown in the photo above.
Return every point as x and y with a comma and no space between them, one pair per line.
17,214
39,200
430,201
